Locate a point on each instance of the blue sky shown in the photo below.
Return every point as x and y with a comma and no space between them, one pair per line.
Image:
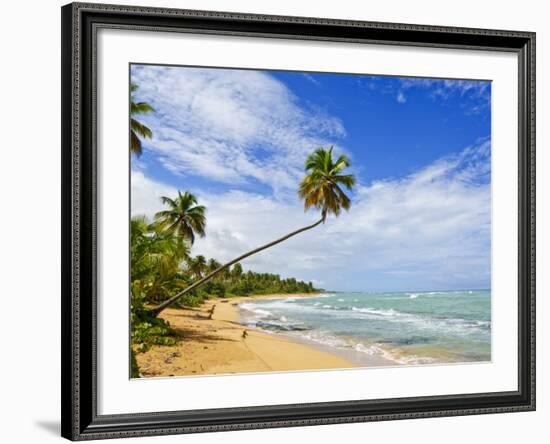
420,149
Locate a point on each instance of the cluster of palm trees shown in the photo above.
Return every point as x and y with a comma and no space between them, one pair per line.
175,229
162,265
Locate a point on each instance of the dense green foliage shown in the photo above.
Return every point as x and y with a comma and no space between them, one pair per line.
147,330
161,265
134,369
163,272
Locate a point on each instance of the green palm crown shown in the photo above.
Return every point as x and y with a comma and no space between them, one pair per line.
321,188
184,218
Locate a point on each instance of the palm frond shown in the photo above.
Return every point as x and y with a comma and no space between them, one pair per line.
347,180
320,186
140,108
135,144
168,201
184,218
140,129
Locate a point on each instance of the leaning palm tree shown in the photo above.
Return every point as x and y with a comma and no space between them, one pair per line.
184,217
138,129
213,265
321,188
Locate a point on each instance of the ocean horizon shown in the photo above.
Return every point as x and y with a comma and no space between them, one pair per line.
400,328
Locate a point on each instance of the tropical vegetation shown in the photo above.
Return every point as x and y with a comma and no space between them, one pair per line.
321,188
137,129
163,270
161,265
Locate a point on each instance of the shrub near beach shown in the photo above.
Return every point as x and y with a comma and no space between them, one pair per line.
162,264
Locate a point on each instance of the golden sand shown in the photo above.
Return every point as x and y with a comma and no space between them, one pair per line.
213,342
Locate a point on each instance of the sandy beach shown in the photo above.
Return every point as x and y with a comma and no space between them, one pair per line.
213,343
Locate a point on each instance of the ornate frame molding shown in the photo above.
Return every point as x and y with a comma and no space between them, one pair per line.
79,393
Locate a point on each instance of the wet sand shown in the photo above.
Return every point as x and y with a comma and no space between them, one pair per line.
213,342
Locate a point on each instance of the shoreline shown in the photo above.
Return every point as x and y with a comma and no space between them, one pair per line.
214,342
358,358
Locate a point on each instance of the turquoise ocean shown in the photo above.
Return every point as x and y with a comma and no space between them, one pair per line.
403,327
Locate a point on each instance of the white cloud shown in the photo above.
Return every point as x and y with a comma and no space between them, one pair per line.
311,79
146,194
428,230
231,125
476,93
446,87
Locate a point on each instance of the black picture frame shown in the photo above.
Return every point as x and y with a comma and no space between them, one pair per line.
80,420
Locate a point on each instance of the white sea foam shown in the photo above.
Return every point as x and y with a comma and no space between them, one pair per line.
374,311
353,323
391,354
421,322
326,338
483,323
259,312
405,359
369,350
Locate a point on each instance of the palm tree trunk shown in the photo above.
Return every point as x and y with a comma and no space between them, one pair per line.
156,311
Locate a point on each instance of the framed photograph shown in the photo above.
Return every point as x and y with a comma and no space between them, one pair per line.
281,221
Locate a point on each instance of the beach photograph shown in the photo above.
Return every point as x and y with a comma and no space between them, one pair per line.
300,221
